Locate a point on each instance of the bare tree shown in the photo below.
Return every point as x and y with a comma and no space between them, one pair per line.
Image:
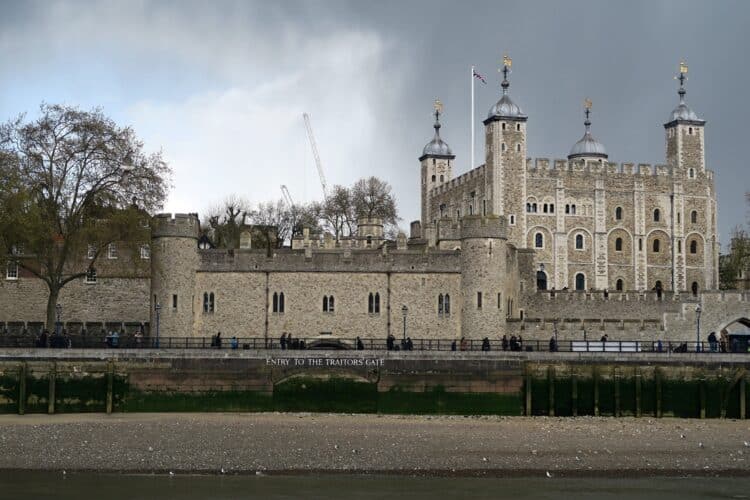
76,175
372,197
272,221
338,212
224,221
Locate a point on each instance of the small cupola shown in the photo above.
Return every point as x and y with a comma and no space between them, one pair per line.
437,147
588,146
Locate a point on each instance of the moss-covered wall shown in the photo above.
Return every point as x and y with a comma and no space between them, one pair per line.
439,385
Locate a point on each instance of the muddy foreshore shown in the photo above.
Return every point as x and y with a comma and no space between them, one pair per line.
284,443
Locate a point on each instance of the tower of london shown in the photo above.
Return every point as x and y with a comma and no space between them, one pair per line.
592,223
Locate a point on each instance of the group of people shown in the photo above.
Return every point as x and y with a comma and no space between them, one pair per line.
287,342
512,344
54,340
406,344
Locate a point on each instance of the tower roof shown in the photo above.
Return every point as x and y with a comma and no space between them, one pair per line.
505,108
437,146
588,146
682,113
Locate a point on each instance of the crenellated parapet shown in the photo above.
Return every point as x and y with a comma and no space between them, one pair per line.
588,166
175,225
458,182
476,226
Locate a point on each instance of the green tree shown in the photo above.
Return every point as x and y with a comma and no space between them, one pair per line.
74,180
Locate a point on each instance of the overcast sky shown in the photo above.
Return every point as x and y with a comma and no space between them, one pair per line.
221,87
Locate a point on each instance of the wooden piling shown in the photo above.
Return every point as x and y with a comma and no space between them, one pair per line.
574,392
22,388
637,391
702,394
595,378
52,382
616,376
551,382
657,382
527,388
110,384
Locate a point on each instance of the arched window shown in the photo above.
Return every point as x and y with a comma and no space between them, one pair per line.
518,148
690,130
211,303
552,208
618,213
371,303
619,285
618,245
657,215
580,281
330,303
691,173
657,245
503,126
528,208
579,242
567,209
440,304
693,246
205,302
573,209
541,281
694,288
442,177
377,303
325,303
447,306
502,147
533,207
518,127
471,209
434,178
281,302
544,208
539,240
694,217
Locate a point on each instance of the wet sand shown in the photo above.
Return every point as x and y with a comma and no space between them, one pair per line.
275,443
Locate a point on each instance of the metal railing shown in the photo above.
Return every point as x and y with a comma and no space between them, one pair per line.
99,341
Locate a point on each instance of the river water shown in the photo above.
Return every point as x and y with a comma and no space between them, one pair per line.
41,485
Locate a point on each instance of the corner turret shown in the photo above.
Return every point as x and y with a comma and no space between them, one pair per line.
436,165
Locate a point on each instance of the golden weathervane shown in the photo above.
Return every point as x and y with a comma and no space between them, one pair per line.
507,61
683,67
587,103
438,106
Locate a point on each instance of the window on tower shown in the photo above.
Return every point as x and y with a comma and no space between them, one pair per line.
539,240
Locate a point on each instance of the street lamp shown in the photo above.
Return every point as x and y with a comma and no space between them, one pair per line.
698,311
404,311
58,310
157,308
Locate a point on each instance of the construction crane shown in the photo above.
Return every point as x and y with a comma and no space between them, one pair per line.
287,197
315,154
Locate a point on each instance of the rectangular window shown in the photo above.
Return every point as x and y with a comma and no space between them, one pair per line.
111,251
512,220
91,252
11,271
174,301
145,252
91,275
679,246
640,244
479,300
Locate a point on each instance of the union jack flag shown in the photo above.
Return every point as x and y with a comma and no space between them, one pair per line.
480,77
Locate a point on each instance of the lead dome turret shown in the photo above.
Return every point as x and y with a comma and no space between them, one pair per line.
588,146
437,147
505,108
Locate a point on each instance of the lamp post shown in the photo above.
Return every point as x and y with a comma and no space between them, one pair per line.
698,311
157,308
58,310
404,312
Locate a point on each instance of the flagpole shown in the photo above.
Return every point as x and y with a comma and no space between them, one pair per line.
471,76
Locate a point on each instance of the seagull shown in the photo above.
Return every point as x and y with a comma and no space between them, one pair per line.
700,445
548,474
682,436
746,444
171,473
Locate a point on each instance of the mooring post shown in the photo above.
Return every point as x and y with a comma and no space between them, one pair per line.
702,393
616,375
595,377
551,382
52,379
657,382
743,414
527,388
22,388
110,384
574,392
637,391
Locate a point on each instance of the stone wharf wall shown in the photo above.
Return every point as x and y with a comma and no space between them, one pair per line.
562,384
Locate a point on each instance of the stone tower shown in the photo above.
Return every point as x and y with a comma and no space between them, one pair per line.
685,153
436,165
174,262
484,284
505,151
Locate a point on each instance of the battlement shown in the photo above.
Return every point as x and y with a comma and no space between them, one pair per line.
580,165
476,226
458,181
175,226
